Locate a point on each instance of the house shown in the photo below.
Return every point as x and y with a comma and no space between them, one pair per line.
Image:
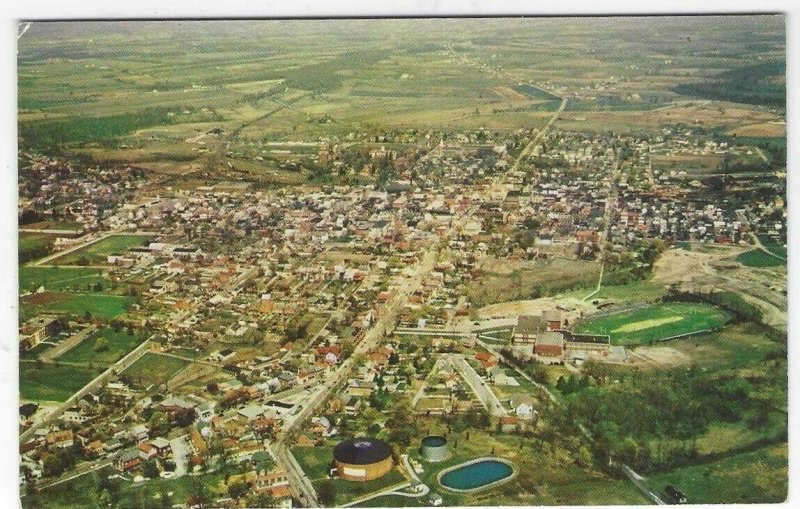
509,423
147,451
61,439
93,449
140,432
205,412
488,360
128,460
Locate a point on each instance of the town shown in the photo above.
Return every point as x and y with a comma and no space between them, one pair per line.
466,316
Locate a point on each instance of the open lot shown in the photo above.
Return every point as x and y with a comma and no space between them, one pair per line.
656,322
57,279
97,304
759,476
153,369
97,252
504,280
105,346
51,382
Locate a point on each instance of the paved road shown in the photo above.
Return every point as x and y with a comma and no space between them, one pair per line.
479,387
118,367
68,344
91,240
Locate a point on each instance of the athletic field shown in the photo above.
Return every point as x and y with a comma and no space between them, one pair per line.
656,322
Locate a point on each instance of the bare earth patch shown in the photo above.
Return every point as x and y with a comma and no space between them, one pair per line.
647,324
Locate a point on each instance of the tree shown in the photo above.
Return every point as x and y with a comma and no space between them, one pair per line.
263,499
158,423
101,345
51,464
150,469
326,494
238,489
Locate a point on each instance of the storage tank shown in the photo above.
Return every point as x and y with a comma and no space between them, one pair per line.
434,448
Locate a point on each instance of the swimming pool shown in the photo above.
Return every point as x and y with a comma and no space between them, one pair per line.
477,474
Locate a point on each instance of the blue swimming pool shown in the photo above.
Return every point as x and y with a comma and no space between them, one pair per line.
476,474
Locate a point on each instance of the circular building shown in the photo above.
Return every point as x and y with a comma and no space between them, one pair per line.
434,448
363,459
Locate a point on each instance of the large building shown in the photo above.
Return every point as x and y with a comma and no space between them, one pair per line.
549,344
36,330
363,459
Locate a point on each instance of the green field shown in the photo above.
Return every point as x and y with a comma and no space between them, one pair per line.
34,245
83,491
58,278
96,253
51,382
98,304
758,258
774,246
152,369
656,322
118,345
314,460
759,476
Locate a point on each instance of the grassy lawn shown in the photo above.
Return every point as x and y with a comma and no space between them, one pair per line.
97,304
347,491
52,382
58,278
96,253
760,476
732,347
153,368
118,345
34,245
758,258
773,246
656,322
637,291
82,491
314,460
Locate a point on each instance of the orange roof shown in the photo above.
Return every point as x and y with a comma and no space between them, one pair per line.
280,491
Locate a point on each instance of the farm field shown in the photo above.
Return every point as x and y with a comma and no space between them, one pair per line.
153,369
97,304
656,322
118,344
96,253
759,476
52,382
758,258
58,279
